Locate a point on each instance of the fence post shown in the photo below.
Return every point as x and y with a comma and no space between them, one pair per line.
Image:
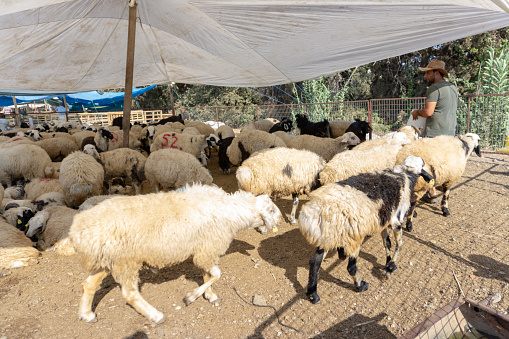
217,117
468,115
257,117
370,118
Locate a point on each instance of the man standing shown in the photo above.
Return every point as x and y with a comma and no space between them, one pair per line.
440,107
441,101
61,110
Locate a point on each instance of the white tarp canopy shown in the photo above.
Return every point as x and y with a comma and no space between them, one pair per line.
62,46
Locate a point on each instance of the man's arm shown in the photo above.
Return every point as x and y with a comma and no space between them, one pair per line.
428,110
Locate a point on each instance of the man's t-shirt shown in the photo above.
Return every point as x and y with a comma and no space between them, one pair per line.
443,120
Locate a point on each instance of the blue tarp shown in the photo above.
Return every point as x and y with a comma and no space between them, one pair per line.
85,98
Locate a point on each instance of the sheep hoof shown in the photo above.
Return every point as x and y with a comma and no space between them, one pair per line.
415,214
409,226
362,286
262,229
445,212
189,298
89,317
158,318
389,268
212,298
293,222
313,297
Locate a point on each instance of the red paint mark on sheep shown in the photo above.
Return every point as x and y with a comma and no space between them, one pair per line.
115,137
15,139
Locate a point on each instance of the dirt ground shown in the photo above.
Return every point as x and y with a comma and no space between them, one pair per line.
441,257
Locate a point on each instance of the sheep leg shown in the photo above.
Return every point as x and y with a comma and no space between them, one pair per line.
215,273
209,294
445,200
390,266
90,286
294,209
410,215
360,284
132,295
136,188
314,267
387,245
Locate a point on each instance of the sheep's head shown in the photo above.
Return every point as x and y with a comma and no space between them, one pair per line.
151,131
37,224
476,139
269,212
106,134
360,128
286,124
349,138
212,140
415,164
91,150
34,135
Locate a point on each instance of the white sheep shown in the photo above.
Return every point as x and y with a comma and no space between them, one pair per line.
446,158
225,131
107,141
200,126
377,156
250,141
339,127
172,169
49,199
120,163
37,187
340,215
260,125
58,148
96,199
202,222
324,147
285,136
16,250
192,144
15,141
51,226
81,176
79,136
281,171
22,162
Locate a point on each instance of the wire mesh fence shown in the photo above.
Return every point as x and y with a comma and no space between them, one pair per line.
485,115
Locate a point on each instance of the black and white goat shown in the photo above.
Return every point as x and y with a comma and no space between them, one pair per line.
285,125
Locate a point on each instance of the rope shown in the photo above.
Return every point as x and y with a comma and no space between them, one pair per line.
277,315
271,98
196,115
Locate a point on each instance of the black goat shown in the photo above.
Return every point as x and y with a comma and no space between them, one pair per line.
320,129
359,128
175,118
118,121
285,125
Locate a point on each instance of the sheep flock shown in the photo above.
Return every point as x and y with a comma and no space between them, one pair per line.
155,203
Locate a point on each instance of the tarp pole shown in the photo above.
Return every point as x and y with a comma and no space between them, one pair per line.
171,99
129,68
66,109
17,119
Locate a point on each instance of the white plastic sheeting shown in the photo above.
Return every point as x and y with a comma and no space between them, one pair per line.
80,45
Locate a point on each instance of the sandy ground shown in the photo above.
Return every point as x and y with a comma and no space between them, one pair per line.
41,300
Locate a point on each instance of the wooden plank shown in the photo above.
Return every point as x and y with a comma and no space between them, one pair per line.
129,68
